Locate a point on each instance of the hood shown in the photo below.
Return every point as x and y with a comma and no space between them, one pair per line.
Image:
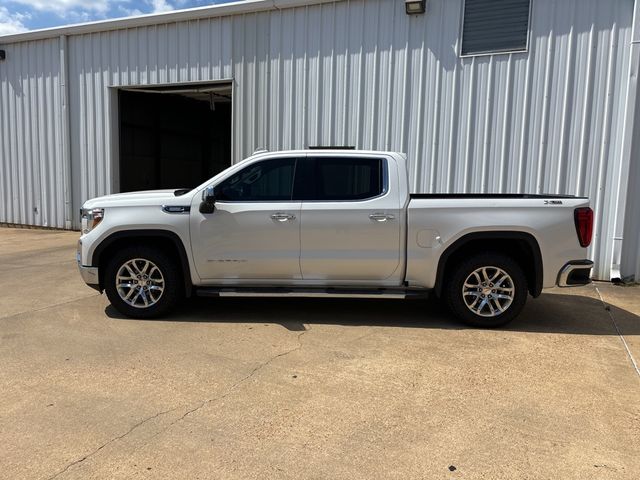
144,198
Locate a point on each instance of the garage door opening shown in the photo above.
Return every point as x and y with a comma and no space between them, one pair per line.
173,137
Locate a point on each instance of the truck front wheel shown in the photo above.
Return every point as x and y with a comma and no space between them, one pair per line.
142,282
486,290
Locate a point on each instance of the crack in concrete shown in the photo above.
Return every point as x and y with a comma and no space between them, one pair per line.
362,337
615,325
114,439
229,391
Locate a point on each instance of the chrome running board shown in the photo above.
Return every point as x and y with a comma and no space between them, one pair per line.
386,293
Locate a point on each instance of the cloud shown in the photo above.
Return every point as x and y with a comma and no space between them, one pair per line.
21,15
160,6
12,22
63,8
71,8
130,12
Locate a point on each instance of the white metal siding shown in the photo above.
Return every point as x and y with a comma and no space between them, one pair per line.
364,73
31,173
630,266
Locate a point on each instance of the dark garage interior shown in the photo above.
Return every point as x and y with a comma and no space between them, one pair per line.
173,137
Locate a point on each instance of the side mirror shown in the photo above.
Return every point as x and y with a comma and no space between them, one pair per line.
208,204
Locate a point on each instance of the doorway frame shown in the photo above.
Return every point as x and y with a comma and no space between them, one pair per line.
114,106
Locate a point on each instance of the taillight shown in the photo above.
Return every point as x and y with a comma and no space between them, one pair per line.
584,225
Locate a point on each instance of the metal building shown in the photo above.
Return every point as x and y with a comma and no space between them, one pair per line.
167,100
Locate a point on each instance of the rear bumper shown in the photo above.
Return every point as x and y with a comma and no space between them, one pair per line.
90,275
575,273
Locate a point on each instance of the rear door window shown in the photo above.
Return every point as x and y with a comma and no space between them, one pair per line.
342,179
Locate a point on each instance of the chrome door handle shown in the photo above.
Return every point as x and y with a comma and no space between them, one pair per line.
283,217
381,217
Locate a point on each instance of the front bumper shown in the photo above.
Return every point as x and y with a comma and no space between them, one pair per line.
90,275
575,273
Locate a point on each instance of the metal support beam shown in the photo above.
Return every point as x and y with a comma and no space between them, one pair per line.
66,135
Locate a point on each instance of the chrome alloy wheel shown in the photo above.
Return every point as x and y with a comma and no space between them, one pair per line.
488,291
140,283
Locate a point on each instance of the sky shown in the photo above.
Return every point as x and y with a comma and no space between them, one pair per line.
22,15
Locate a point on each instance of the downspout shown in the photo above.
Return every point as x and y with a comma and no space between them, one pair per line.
629,148
66,132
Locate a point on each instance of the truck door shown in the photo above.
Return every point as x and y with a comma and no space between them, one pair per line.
254,232
350,219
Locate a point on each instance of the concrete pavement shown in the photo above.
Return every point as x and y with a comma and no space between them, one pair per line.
271,388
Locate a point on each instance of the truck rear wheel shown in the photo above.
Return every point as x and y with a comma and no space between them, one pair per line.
486,290
142,282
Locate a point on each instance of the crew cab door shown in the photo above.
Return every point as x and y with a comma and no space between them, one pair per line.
351,219
254,231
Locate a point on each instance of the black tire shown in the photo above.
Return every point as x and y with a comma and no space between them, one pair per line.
171,283
457,300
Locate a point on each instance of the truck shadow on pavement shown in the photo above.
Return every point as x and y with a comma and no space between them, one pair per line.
550,313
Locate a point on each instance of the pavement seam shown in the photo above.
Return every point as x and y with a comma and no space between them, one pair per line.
229,391
624,342
9,266
49,306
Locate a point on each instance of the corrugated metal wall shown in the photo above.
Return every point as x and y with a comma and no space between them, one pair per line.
630,267
364,73
31,173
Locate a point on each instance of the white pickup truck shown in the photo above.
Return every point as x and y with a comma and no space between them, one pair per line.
332,222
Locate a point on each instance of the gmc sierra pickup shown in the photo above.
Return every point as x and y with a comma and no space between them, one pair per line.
335,223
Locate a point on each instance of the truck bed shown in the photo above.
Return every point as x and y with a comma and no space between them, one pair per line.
436,221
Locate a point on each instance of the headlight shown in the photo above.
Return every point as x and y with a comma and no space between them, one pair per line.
90,218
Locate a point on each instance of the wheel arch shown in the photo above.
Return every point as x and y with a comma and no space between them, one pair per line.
522,246
165,239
